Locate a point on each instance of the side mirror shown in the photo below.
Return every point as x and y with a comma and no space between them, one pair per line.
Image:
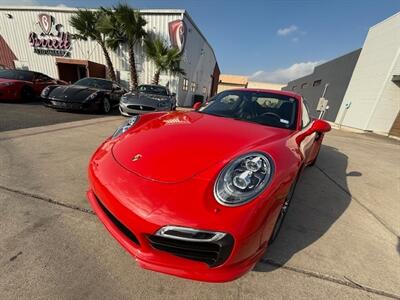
197,105
320,126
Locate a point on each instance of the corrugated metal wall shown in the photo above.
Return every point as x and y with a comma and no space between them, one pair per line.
16,30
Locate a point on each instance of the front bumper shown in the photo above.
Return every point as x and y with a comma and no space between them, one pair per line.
72,106
132,207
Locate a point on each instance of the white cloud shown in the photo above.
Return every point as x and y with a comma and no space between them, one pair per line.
295,39
285,75
286,31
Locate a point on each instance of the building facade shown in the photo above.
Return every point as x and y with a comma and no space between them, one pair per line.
41,39
331,77
227,82
372,100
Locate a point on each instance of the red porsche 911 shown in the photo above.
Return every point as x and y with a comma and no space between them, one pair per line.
201,194
23,84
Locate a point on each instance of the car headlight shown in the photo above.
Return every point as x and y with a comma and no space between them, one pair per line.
124,98
125,126
92,96
45,91
244,178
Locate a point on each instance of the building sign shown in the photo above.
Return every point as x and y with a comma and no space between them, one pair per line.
51,42
177,34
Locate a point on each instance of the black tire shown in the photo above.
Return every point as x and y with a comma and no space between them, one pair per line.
27,94
105,106
282,214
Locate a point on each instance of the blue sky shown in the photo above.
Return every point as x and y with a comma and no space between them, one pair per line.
274,40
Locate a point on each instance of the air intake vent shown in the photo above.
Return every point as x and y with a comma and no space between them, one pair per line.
129,234
206,249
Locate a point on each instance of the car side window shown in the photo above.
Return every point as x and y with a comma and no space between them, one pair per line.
42,77
305,118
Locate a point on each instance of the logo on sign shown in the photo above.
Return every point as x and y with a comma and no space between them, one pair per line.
45,22
177,34
56,43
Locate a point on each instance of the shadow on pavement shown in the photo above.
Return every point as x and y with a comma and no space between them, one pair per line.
316,205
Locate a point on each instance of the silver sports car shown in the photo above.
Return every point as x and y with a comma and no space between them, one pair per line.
147,98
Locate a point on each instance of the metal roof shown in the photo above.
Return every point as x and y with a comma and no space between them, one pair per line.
62,8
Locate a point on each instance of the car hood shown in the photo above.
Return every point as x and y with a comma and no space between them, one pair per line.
176,146
143,98
72,92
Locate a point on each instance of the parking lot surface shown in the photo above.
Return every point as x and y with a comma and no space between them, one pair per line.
340,239
17,115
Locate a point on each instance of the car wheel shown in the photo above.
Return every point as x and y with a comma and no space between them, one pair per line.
27,94
106,106
282,214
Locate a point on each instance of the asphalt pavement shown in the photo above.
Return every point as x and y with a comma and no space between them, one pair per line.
26,114
340,239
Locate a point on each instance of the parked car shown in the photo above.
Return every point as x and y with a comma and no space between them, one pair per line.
87,94
200,194
23,84
147,98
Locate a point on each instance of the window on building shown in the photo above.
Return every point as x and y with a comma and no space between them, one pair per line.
193,87
185,84
204,90
317,82
304,85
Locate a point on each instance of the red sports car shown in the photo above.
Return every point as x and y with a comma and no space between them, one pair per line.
23,85
201,194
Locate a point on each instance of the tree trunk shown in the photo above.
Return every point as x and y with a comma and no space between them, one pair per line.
134,79
110,67
156,78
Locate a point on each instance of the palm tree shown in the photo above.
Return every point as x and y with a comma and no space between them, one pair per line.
124,26
165,58
85,22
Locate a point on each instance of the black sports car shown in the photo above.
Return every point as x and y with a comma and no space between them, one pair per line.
87,94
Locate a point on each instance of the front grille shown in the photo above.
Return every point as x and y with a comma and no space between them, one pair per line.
141,107
212,253
129,234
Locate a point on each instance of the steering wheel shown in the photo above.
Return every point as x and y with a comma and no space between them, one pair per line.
271,114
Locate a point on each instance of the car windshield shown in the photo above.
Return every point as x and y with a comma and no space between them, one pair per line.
153,89
253,106
16,74
95,83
